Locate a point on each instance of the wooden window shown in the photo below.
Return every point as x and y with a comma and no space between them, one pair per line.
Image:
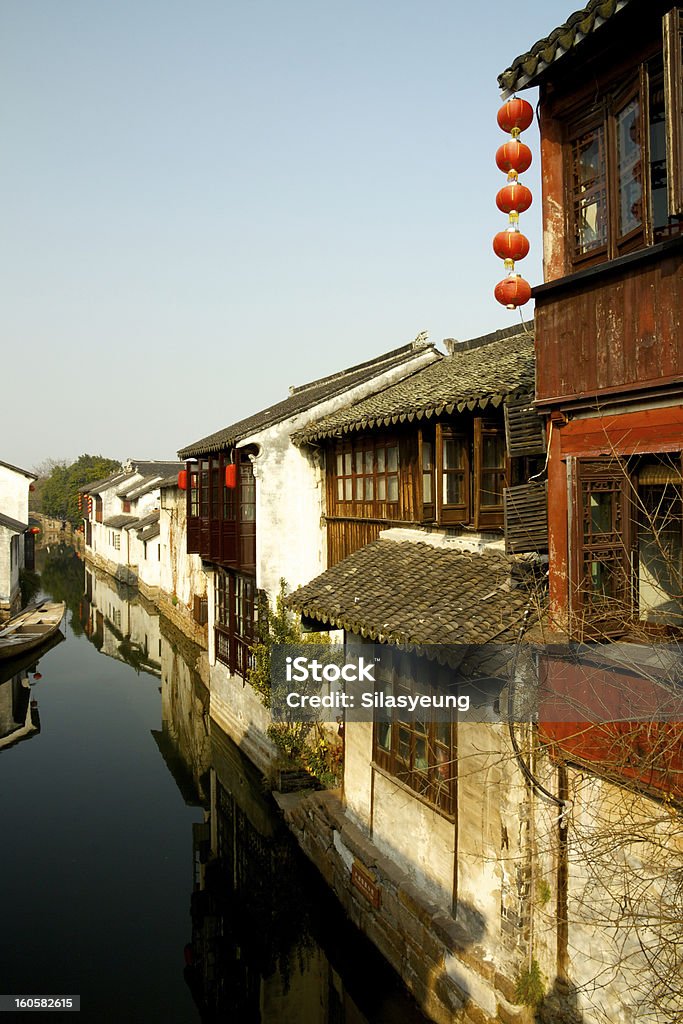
98,509
625,159
235,616
490,472
366,472
427,464
193,492
673,96
589,191
454,474
419,753
126,506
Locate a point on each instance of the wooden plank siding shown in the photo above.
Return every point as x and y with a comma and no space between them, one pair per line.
620,332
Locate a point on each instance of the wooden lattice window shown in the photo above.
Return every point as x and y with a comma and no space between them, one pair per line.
366,471
589,191
421,754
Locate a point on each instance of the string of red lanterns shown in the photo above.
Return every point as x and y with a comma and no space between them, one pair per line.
513,158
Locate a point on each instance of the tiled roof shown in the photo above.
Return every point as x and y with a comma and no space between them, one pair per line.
480,373
140,524
97,486
12,524
150,532
118,522
137,488
306,397
526,69
17,469
414,593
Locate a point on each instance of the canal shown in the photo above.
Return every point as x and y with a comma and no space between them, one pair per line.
143,866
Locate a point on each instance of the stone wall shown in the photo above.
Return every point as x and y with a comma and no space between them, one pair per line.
451,976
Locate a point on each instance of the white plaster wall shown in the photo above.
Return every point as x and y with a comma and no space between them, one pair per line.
149,567
9,574
180,575
14,494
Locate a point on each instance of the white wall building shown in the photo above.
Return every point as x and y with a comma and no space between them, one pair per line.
14,488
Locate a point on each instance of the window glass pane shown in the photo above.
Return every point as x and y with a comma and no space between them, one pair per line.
384,735
392,488
453,489
369,488
427,455
381,488
392,459
340,464
381,460
427,488
453,454
347,489
493,451
601,512
629,167
340,490
368,461
347,463
590,191
358,489
492,488
359,462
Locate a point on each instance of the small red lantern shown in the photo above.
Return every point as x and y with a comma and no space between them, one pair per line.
511,245
513,156
514,198
34,530
512,291
515,116
80,501
231,475
37,675
31,487
182,479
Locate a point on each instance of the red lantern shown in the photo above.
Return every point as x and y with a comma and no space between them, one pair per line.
513,156
512,291
182,479
37,675
514,198
231,475
31,487
511,245
34,530
515,115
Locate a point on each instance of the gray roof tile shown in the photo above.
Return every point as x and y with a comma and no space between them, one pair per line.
12,524
413,593
482,372
526,69
303,398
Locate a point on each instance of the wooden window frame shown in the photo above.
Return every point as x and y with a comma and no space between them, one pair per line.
461,512
436,783
424,440
672,31
361,475
488,515
604,115
235,615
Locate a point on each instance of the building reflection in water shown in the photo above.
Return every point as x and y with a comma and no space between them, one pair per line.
19,718
267,940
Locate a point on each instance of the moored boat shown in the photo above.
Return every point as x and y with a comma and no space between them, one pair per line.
31,628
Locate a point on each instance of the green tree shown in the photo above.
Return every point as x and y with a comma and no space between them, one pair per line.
56,492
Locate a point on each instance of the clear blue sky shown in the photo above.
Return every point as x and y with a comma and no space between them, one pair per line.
204,203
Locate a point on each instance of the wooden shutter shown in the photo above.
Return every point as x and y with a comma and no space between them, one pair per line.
526,517
524,429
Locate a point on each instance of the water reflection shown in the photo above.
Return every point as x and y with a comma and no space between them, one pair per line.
264,939
19,718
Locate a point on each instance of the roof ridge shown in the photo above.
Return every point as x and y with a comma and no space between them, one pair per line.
377,361
503,334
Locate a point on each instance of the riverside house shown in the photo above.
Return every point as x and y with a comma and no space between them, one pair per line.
16,540
609,382
254,506
429,847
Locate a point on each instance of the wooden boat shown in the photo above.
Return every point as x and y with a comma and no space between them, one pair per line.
31,628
